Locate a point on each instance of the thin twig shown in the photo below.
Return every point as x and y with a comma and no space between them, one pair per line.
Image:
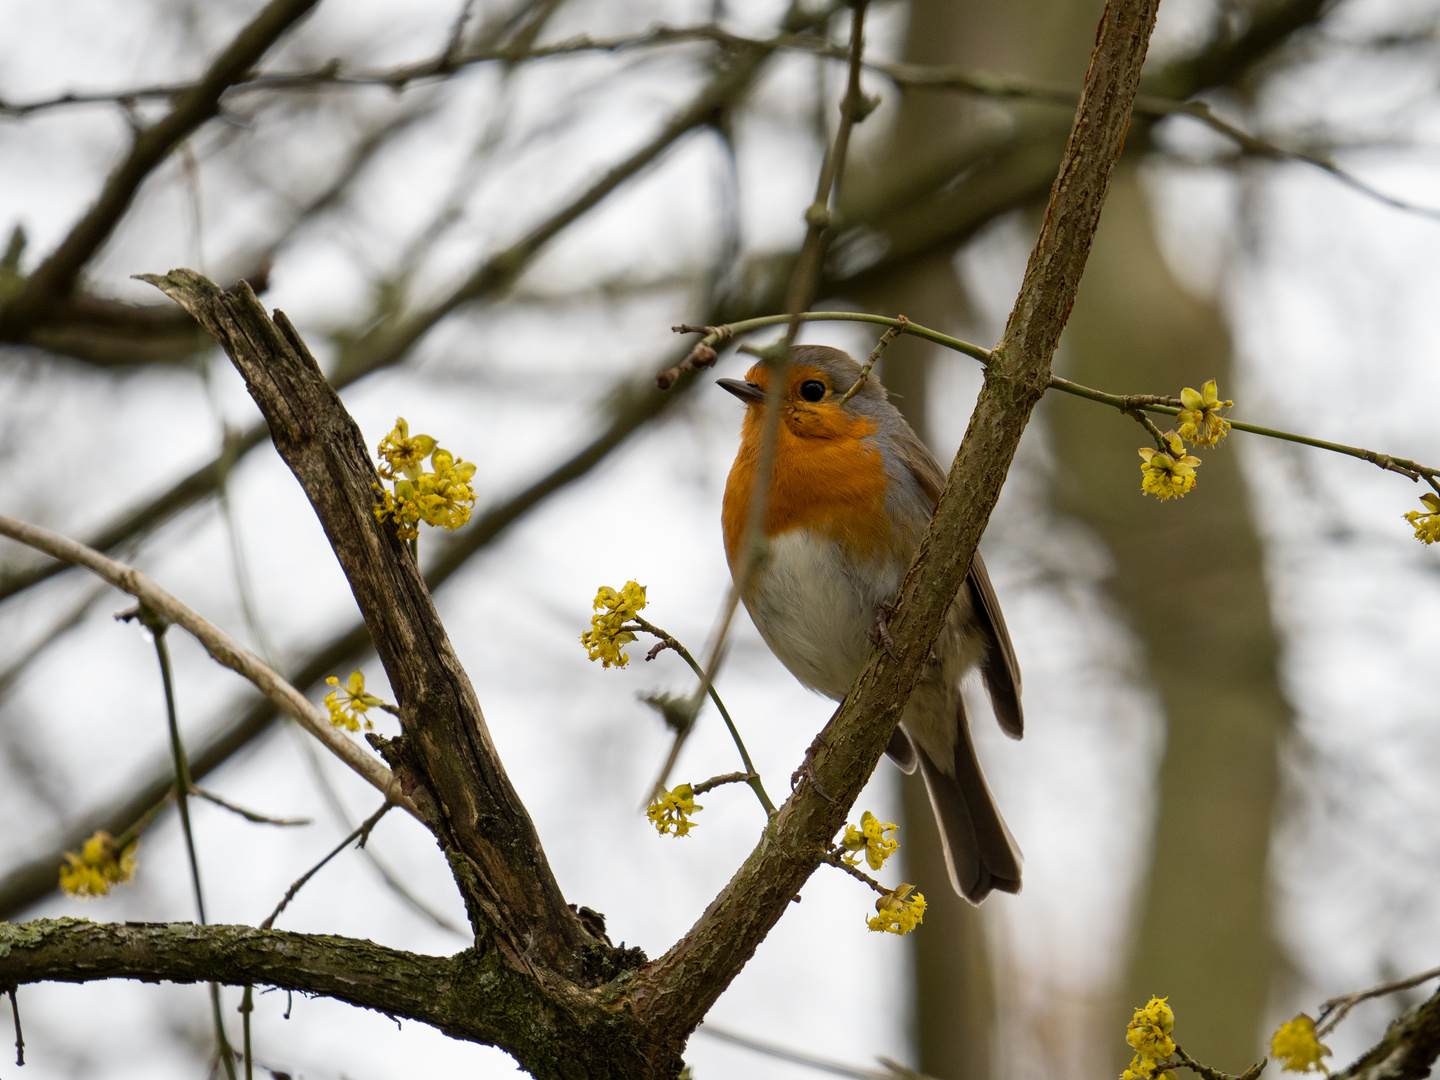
218,644
804,279
718,781
1138,415
1185,1061
834,859
248,815
885,339
361,833
157,626
836,1068
1340,1006
751,776
19,1035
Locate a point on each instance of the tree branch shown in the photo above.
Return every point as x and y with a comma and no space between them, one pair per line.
444,759
223,648
55,277
463,995
1407,1051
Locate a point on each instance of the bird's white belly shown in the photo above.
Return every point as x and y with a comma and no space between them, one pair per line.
815,608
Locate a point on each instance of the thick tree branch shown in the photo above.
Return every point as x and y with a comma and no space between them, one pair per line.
55,277
445,758
471,996
680,987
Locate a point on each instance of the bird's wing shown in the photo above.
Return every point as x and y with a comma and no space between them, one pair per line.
1000,668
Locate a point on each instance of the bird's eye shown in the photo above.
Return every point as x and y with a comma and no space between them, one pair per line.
812,390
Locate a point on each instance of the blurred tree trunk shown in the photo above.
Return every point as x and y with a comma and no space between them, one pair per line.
1189,583
1189,580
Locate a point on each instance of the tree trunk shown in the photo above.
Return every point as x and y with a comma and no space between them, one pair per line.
1189,579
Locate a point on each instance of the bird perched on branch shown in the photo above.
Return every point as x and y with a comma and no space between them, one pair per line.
853,492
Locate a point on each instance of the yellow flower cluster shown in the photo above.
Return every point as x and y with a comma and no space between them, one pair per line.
442,497
348,704
1296,1047
605,640
875,838
670,811
1427,522
898,911
99,865
1167,475
1149,1035
1200,420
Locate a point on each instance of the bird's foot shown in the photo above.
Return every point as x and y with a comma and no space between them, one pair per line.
879,634
806,771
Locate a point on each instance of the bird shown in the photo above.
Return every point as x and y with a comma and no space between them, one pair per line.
852,493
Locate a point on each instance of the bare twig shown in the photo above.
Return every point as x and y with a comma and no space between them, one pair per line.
218,644
248,815
892,1071
833,858
55,277
19,1035
719,781
360,835
1337,1008
751,777
803,281
885,339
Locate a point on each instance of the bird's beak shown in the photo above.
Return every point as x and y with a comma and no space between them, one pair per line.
748,392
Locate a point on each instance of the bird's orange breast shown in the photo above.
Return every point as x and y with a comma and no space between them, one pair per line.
829,478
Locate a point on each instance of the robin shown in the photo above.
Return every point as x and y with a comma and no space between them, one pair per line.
853,492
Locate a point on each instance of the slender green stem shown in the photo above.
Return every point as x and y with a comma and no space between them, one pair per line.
1126,403
719,334
669,642
157,627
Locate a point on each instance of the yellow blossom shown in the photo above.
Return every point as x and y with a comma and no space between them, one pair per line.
348,704
1296,1047
400,455
99,865
670,811
1200,420
1427,522
1167,475
605,640
875,838
442,497
898,911
1149,1035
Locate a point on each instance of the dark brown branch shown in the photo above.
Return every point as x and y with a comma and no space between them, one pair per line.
1408,1050
681,986
633,404
445,758
446,992
55,277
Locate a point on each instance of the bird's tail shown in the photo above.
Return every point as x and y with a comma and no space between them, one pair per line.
979,850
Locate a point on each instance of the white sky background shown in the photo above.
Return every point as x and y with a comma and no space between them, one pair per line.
1331,298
